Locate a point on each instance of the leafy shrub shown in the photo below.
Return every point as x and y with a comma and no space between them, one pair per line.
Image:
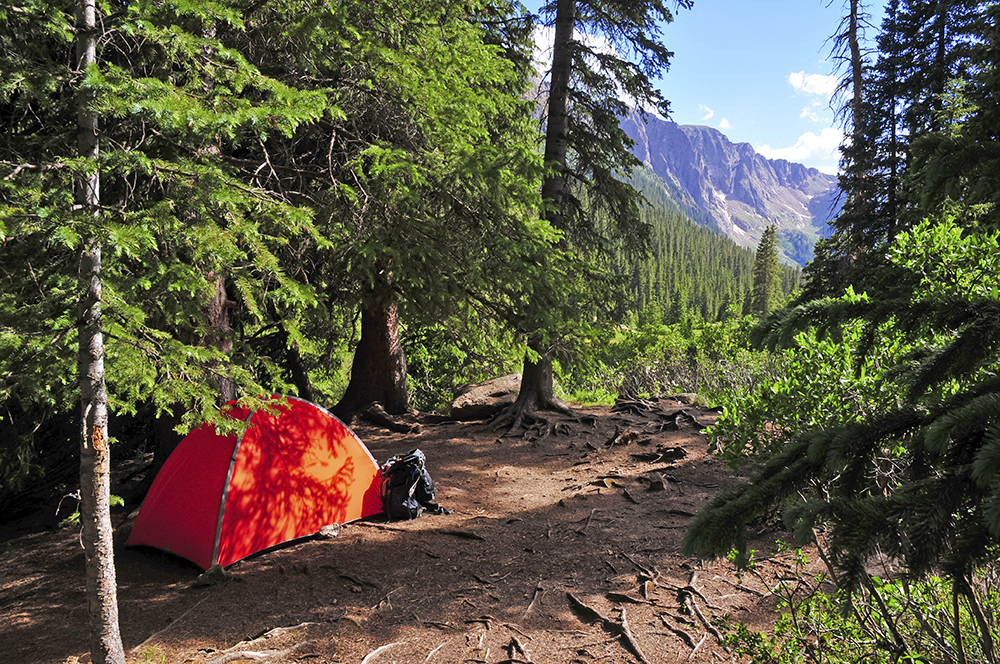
817,384
891,621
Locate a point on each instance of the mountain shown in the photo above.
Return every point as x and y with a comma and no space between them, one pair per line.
730,188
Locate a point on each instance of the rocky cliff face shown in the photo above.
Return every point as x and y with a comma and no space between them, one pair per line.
732,189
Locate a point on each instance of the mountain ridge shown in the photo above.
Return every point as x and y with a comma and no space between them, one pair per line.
732,189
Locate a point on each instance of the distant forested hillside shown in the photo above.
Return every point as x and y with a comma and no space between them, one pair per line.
690,269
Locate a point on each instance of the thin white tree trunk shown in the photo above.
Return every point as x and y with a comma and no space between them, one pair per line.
95,457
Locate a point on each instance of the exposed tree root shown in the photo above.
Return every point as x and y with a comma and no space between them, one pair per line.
257,656
521,416
376,414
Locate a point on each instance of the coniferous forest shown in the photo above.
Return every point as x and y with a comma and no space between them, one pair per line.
374,202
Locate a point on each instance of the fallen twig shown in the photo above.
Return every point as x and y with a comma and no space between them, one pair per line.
374,653
433,652
538,593
515,647
703,637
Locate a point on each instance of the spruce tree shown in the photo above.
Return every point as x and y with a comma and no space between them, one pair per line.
424,181
589,156
117,209
766,288
919,479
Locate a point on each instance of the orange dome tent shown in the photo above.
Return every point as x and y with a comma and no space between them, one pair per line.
220,498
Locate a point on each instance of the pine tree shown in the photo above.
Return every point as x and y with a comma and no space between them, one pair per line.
588,153
117,207
921,47
766,287
422,181
919,479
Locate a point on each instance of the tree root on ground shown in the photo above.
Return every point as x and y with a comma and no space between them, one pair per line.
376,414
522,414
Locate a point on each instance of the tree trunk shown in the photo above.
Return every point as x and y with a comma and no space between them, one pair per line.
378,372
300,375
557,118
857,67
95,457
536,391
220,333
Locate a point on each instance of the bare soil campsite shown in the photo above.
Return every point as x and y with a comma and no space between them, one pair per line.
563,546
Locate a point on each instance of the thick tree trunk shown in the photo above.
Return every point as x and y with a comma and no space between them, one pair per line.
536,391
379,369
95,457
300,375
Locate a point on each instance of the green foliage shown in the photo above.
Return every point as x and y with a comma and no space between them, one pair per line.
889,621
644,357
820,384
766,289
465,349
690,270
916,475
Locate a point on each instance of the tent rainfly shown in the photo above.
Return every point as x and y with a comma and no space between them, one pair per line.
220,498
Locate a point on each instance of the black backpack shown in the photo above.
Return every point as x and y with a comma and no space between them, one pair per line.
407,487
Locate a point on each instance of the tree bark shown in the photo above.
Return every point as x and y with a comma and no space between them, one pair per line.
220,333
95,457
557,118
378,372
536,391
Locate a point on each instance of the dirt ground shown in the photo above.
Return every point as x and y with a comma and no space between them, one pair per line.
563,548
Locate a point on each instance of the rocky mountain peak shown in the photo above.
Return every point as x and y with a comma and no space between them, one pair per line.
732,188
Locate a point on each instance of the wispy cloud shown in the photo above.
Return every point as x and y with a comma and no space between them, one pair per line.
811,112
813,84
709,113
724,124
809,146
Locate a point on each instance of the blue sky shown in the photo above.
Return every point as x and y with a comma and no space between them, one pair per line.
759,72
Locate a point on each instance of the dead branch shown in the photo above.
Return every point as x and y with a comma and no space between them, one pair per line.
257,656
514,647
538,593
373,654
691,656
434,652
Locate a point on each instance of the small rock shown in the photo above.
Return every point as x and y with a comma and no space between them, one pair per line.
212,576
329,531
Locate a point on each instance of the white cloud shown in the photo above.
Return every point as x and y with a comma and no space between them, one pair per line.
808,147
813,84
811,112
724,124
709,113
